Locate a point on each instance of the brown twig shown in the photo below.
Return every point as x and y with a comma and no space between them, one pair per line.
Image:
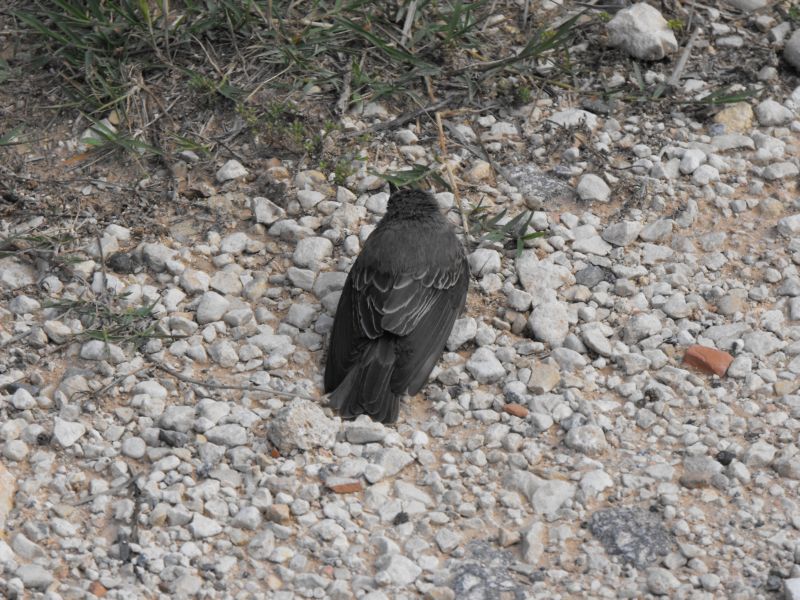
227,386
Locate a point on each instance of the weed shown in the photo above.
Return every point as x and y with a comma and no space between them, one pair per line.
106,138
675,24
514,231
106,320
413,176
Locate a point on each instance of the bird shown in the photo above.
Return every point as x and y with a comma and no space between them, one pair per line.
396,310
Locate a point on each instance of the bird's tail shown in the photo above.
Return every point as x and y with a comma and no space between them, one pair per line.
367,387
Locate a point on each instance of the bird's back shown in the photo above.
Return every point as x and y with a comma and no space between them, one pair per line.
397,308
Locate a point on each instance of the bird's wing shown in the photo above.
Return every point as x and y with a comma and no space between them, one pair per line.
346,340
422,347
397,303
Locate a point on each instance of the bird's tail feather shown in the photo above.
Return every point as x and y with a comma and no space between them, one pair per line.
366,388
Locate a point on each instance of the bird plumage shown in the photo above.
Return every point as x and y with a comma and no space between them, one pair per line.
397,309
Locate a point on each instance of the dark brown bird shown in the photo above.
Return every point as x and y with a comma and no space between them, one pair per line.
397,309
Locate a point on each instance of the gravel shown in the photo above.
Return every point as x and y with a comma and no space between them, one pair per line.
615,415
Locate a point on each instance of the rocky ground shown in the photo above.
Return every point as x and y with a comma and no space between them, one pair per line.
617,413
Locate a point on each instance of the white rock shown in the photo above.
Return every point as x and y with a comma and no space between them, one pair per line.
16,274
691,160
622,234
533,542
587,439
484,261
212,307
309,198
232,169
399,570
789,226
550,323
592,188
537,276
464,330
747,5
780,170
771,113
484,366
311,251
302,425
642,32
66,433
266,211
202,527
573,117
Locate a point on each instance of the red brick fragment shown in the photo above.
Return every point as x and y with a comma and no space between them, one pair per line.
97,589
516,409
708,360
346,488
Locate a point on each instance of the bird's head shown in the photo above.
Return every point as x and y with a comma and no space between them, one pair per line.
410,203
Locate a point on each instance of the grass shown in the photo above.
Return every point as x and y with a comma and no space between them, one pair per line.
287,69
511,232
125,53
107,320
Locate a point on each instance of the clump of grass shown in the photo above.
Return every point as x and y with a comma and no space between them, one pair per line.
109,54
511,232
106,319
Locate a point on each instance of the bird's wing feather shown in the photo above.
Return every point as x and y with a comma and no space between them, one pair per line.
421,349
345,340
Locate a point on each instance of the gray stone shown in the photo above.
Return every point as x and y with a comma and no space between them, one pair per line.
642,32
759,454
229,434
550,323
211,308
400,570
691,160
447,540
202,527
699,471
592,188
657,230
771,113
574,117
484,261
545,495
102,350
248,517
660,581
641,326
133,447
392,460
35,577
484,366
780,170
66,433
223,353
761,343
596,341
534,539
15,274
265,211
622,234
587,439
634,534
789,226
232,169
302,425
464,330
311,251
791,50
538,276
